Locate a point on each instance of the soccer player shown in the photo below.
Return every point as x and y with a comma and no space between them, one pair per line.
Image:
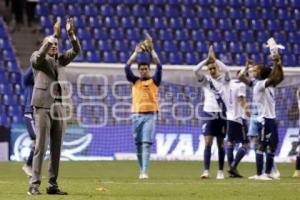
28,82
236,125
297,172
214,108
266,79
144,103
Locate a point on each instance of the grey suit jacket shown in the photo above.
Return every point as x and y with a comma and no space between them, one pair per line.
49,74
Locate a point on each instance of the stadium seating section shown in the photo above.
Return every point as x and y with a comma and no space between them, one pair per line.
182,29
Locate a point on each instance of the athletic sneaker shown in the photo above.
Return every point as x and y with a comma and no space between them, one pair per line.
27,169
263,177
252,177
234,173
220,175
143,175
275,174
296,174
205,174
33,191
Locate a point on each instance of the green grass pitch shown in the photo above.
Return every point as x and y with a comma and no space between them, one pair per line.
168,180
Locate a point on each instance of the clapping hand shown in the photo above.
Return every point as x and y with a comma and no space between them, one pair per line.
70,26
57,27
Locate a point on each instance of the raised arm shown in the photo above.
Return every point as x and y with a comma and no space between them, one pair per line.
129,74
70,54
277,74
224,69
243,101
37,59
242,76
197,70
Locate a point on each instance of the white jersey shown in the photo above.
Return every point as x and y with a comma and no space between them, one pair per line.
264,99
298,100
236,90
210,102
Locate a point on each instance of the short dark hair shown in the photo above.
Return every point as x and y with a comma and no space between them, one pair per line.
264,70
143,63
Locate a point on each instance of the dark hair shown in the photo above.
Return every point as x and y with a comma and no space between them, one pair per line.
264,71
143,63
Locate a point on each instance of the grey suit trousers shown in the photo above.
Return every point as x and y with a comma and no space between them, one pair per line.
50,128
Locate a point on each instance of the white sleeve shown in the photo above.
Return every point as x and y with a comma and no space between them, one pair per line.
224,68
261,85
242,91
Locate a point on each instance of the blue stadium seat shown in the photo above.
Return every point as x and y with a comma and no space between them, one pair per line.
127,22
124,56
214,36
133,34
186,46
78,22
111,22
12,66
294,4
58,10
219,13
202,47
85,2
8,55
139,11
69,1
290,25
252,47
262,37
202,12
100,33
45,22
160,23
289,60
109,57
191,58
219,47
236,13
257,25
122,11
107,10
169,46
92,56
235,47
281,3
283,14
83,34
165,34
240,59
176,23
95,22
187,11
87,45
247,36
192,23
220,3
266,4
4,44
104,45
143,22
273,25
116,34
129,2
79,58
171,11
90,11
251,13
225,24
120,45
175,58
240,24
294,37
296,49
209,24
257,58
280,37
296,14
144,2
155,11
181,35
230,36
203,2
41,10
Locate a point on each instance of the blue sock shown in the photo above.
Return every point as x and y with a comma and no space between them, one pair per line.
221,153
239,156
230,155
269,162
30,158
145,157
298,162
207,155
259,162
139,154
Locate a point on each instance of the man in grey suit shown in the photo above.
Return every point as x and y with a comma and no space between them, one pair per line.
50,94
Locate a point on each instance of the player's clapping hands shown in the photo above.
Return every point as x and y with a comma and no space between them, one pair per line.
57,28
70,26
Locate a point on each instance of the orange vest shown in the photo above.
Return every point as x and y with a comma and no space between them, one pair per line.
144,96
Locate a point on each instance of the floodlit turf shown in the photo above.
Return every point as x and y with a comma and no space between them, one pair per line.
168,180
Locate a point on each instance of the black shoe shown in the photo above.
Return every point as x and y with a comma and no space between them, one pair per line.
234,173
33,191
55,190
